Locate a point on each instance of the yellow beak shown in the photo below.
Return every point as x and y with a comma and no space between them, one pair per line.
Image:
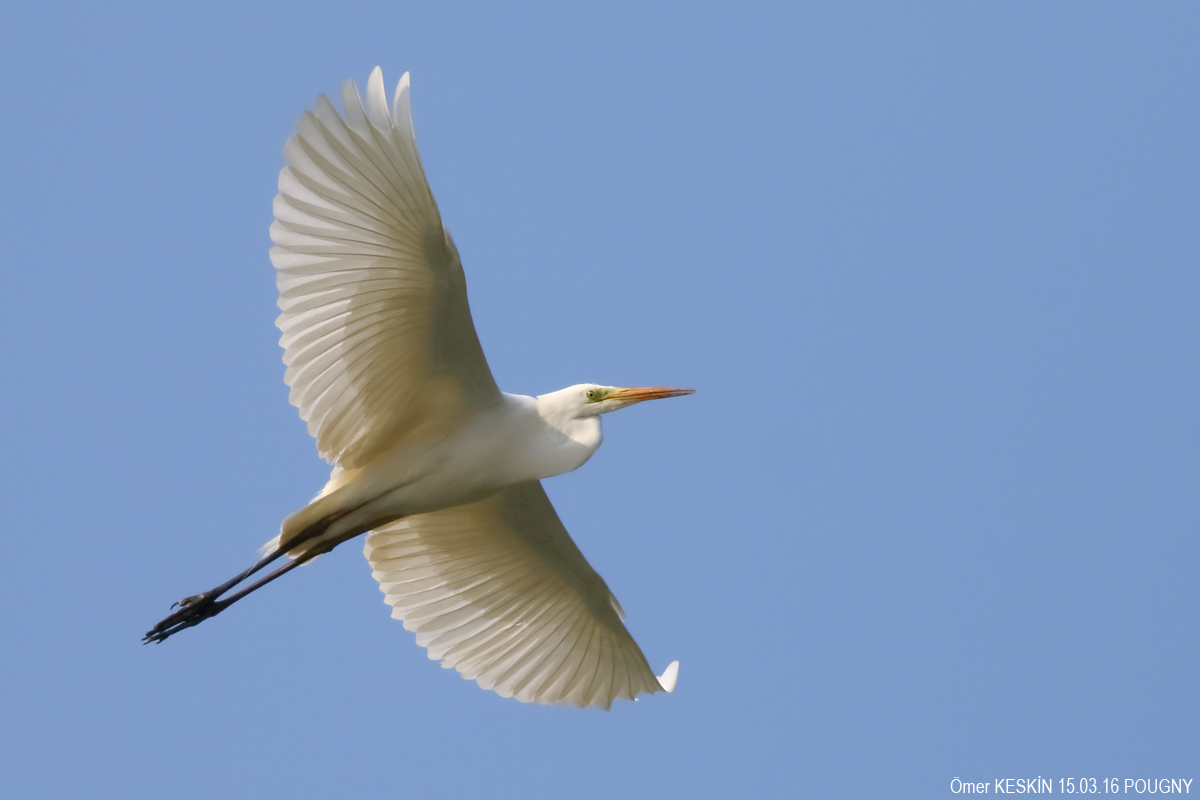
630,396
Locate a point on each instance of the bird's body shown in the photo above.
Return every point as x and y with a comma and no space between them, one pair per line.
516,439
440,468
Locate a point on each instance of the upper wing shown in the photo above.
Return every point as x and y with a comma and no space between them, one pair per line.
377,333
497,590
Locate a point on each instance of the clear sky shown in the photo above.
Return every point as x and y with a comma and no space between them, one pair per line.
933,512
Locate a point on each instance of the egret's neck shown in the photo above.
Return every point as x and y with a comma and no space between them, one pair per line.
569,440
581,430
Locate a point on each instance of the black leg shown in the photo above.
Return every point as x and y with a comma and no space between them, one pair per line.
192,609
190,614
197,608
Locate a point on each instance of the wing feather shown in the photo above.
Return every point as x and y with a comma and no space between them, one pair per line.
372,296
497,590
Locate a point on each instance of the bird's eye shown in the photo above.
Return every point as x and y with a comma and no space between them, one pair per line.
592,394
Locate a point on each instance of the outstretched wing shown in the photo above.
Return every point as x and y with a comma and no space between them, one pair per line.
376,329
497,590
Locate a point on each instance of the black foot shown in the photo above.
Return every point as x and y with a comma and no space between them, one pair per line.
192,611
199,607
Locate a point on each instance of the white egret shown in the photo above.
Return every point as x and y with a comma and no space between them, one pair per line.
439,467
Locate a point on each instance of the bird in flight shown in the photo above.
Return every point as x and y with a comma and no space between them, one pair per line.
431,460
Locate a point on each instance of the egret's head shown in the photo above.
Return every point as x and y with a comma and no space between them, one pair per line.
594,400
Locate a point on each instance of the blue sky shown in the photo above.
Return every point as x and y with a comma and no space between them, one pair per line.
931,514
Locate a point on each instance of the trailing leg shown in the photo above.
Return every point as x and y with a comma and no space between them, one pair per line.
199,607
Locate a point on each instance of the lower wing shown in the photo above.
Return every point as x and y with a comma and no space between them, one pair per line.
498,591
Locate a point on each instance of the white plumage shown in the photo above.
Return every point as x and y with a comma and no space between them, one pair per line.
374,311
470,582
441,467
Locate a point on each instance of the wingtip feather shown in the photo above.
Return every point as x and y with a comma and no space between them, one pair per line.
669,676
401,112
